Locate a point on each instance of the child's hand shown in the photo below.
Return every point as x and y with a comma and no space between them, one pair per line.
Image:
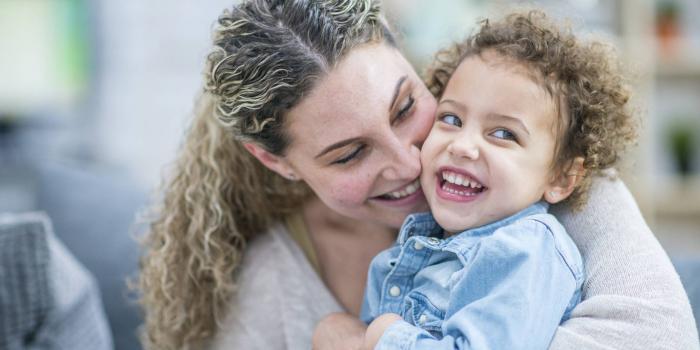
376,329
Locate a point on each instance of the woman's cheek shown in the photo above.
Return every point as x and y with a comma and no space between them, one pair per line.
349,193
426,117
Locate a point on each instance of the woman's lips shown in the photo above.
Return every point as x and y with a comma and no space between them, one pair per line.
404,191
405,196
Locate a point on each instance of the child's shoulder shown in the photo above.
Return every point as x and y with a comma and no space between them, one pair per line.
541,230
548,224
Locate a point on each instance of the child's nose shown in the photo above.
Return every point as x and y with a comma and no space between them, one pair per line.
464,148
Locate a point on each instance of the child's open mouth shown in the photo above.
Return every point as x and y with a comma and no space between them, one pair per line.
453,184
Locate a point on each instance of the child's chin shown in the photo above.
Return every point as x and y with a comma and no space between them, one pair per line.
452,225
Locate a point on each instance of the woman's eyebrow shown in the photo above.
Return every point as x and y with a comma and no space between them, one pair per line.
337,145
396,91
349,141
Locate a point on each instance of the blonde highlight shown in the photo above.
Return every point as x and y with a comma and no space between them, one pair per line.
266,56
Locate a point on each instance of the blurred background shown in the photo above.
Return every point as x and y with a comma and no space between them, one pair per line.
95,96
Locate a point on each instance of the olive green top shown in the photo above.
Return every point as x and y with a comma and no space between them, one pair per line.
300,234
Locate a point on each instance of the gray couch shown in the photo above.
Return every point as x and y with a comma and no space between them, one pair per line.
48,300
93,213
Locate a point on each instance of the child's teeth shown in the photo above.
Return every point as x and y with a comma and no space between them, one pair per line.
460,180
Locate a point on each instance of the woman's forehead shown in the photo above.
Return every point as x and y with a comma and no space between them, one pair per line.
352,98
368,72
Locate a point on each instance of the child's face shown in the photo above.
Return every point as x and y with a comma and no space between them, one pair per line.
490,151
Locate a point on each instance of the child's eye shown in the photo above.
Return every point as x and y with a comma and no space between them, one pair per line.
504,134
451,119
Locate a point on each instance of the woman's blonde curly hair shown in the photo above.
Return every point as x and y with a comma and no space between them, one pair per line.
267,55
584,79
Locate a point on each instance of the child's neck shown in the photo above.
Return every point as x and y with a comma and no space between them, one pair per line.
446,233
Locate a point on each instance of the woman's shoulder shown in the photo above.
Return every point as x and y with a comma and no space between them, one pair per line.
278,300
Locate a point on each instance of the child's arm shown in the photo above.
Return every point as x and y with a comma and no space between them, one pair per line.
512,294
376,329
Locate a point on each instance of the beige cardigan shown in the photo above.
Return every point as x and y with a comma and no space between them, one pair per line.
632,298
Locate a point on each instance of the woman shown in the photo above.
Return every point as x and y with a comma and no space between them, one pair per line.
300,165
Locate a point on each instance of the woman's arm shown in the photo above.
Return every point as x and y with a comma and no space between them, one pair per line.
339,331
632,296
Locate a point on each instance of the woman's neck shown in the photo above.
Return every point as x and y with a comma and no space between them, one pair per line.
344,248
320,214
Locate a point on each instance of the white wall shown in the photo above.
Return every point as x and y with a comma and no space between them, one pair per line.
150,58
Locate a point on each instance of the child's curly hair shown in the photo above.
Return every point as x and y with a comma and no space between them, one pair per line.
583,78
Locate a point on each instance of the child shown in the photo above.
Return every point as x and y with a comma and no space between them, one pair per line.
525,111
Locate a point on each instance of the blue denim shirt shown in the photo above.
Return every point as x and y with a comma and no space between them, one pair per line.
504,285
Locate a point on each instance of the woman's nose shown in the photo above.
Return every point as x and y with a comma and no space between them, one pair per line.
404,165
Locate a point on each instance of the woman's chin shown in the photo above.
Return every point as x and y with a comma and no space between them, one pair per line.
393,212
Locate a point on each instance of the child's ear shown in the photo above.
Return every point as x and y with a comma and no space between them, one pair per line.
565,182
271,161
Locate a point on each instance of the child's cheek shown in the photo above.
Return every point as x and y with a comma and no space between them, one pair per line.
428,151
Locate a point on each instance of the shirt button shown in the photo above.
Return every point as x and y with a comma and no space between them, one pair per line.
394,291
417,245
433,240
422,319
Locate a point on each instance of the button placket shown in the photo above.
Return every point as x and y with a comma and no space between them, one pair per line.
433,241
422,319
417,245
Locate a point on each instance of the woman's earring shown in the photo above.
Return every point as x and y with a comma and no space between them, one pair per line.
291,176
552,193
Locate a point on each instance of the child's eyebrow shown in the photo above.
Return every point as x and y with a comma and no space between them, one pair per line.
461,106
511,119
454,103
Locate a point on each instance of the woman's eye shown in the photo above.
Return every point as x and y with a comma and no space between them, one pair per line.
405,108
504,134
350,156
451,119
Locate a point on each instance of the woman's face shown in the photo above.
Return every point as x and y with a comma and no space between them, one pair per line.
356,136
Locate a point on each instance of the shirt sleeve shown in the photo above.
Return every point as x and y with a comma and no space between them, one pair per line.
513,292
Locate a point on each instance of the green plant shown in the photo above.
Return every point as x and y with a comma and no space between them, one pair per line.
682,144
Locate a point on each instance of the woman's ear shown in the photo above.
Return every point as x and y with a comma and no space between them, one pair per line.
565,182
272,161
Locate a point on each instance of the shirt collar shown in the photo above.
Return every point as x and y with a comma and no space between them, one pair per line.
419,224
424,224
